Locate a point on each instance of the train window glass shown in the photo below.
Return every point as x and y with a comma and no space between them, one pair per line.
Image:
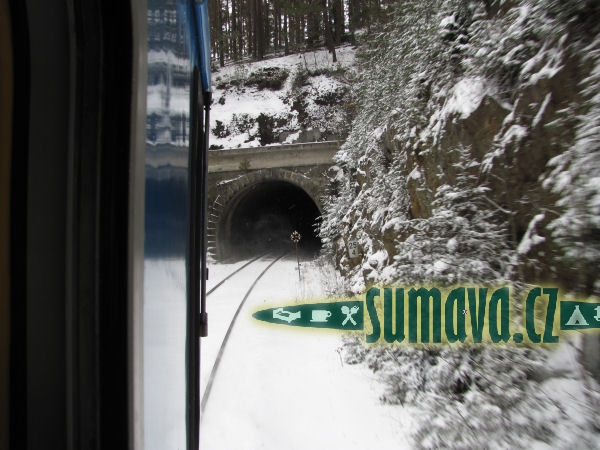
166,228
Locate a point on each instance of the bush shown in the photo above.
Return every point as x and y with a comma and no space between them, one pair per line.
332,97
299,104
266,124
240,123
300,79
268,78
220,130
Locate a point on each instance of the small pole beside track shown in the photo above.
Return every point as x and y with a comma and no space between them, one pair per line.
295,237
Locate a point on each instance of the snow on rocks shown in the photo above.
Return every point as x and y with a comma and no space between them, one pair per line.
234,98
531,238
466,96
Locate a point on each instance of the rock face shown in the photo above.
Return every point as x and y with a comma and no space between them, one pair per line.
499,94
475,153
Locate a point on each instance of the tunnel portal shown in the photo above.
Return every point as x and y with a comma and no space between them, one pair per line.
263,217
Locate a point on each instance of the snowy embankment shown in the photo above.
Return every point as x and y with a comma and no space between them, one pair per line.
307,99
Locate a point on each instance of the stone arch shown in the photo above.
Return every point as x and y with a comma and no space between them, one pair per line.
230,192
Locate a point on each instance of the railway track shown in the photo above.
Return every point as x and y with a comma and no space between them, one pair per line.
221,349
236,271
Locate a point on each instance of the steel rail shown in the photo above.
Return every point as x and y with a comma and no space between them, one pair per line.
233,273
215,367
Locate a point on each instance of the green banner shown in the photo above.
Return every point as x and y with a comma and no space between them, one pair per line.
579,315
336,315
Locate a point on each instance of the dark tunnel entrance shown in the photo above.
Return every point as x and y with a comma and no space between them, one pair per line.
263,217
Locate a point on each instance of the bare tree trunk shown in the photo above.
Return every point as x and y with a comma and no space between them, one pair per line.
250,27
276,26
234,31
313,24
328,35
338,21
228,33
240,30
354,16
259,38
286,34
214,28
222,34
300,27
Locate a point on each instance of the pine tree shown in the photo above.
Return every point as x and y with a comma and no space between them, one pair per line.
575,176
464,240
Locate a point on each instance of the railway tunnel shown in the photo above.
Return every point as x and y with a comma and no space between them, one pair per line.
261,218
258,196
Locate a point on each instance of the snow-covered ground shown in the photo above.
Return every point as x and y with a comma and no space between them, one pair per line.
286,388
277,387
280,387
251,101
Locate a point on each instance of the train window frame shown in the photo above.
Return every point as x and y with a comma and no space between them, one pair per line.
6,105
190,17
74,240
77,211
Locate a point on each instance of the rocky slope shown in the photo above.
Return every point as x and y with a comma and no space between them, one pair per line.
297,98
474,158
475,153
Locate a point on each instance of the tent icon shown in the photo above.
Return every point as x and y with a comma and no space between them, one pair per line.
576,318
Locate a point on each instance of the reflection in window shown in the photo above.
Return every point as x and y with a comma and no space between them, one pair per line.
166,226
